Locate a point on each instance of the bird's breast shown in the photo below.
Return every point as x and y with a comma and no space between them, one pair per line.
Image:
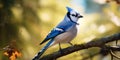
67,36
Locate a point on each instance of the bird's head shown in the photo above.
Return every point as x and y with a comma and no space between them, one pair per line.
73,15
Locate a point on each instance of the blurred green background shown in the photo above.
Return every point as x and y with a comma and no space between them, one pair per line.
25,23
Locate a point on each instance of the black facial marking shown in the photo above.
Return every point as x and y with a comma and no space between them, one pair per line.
73,14
68,15
76,15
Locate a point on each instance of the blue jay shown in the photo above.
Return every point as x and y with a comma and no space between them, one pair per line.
64,32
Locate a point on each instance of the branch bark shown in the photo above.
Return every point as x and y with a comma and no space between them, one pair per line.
94,43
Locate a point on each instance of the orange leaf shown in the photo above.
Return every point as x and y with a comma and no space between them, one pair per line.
18,54
5,53
13,56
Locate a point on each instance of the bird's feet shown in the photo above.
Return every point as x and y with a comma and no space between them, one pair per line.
70,43
60,49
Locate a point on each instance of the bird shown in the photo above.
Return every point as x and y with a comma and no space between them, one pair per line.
64,32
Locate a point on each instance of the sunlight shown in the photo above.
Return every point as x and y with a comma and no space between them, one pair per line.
88,39
17,12
45,15
115,19
24,33
102,29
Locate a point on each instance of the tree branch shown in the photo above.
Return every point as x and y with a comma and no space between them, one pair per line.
105,50
94,43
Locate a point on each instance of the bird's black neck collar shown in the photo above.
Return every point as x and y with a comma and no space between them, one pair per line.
68,15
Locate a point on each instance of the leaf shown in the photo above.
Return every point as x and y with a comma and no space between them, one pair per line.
12,53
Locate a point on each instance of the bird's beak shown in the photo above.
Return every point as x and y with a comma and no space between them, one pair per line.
80,16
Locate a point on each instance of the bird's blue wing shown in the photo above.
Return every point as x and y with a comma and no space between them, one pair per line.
53,33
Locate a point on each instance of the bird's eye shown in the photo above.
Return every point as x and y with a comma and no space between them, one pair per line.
73,14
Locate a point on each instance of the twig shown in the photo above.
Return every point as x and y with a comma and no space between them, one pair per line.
105,50
114,55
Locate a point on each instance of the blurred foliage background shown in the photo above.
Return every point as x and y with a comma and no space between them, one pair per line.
25,23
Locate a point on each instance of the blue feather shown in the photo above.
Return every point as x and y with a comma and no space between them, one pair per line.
37,57
69,9
52,34
64,25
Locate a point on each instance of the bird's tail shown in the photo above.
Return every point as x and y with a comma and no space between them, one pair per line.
37,57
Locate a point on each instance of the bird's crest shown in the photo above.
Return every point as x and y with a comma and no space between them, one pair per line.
69,9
